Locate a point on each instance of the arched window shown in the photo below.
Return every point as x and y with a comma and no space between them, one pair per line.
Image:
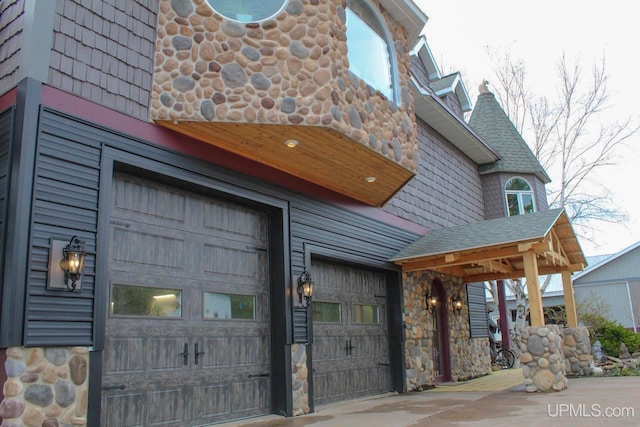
519,197
370,48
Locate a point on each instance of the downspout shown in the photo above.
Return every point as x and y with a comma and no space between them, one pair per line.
633,318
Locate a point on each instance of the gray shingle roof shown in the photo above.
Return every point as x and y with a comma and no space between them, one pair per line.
482,234
492,124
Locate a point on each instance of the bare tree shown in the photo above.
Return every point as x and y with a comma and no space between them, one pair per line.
571,138
570,135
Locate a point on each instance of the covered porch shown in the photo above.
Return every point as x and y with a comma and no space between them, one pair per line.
525,246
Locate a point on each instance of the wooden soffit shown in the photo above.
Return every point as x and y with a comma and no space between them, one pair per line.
494,249
323,156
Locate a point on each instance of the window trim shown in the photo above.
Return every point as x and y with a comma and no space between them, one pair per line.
519,194
391,51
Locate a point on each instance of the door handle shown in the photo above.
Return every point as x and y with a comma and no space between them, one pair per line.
197,353
185,354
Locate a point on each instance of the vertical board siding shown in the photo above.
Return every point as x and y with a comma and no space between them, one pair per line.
477,310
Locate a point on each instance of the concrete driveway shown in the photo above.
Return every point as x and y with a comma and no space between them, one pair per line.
592,401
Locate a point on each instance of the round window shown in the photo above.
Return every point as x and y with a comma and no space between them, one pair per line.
247,10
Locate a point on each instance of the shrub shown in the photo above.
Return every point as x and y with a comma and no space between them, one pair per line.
612,334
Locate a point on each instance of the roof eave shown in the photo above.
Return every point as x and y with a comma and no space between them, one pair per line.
437,115
408,15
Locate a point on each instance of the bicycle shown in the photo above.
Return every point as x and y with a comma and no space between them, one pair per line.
505,358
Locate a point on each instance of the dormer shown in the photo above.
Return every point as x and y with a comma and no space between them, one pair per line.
292,84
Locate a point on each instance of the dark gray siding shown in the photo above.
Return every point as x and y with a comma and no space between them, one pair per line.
66,204
6,131
477,310
103,52
446,190
11,23
494,201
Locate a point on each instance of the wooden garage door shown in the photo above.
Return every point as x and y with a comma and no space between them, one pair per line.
351,343
187,335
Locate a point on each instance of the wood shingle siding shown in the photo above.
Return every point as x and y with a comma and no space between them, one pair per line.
446,190
11,23
103,52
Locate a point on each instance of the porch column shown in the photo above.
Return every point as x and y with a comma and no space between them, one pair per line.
569,300
533,288
505,316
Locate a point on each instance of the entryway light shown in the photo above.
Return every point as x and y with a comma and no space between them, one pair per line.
370,179
305,288
72,262
291,143
456,302
431,301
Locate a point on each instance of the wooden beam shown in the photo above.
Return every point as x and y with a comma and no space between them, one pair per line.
569,300
533,289
432,262
516,274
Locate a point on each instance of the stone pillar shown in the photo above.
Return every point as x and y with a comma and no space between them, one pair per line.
45,387
300,381
576,348
542,359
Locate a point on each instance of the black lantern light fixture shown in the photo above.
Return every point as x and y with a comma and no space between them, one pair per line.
305,288
431,301
72,262
456,302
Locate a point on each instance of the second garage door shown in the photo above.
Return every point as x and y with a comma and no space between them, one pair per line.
351,344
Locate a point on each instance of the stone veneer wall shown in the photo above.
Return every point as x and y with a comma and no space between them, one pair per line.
576,348
542,358
300,383
45,387
292,69
470,357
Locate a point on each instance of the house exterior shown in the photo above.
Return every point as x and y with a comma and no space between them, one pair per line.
614,280
203,162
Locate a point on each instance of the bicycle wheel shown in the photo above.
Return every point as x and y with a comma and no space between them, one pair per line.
505,359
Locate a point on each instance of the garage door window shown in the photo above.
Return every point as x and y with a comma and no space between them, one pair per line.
366,313
229,306
330,312
128,300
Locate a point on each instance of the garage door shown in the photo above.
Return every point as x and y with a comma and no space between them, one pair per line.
351,345
187,335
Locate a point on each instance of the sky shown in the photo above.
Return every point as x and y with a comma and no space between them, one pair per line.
461,32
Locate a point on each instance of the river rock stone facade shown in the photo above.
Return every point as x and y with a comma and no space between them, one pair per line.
45,387
576,348
300,381
542,358
469,357
291,70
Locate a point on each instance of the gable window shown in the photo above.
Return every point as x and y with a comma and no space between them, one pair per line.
519,196
369,48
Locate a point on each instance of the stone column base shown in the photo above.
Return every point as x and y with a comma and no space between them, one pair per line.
45,387
542,359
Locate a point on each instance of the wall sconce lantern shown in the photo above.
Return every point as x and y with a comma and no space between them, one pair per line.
66,273
456,302
431,301
305,288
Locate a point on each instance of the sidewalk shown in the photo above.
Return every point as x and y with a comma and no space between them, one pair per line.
588,401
